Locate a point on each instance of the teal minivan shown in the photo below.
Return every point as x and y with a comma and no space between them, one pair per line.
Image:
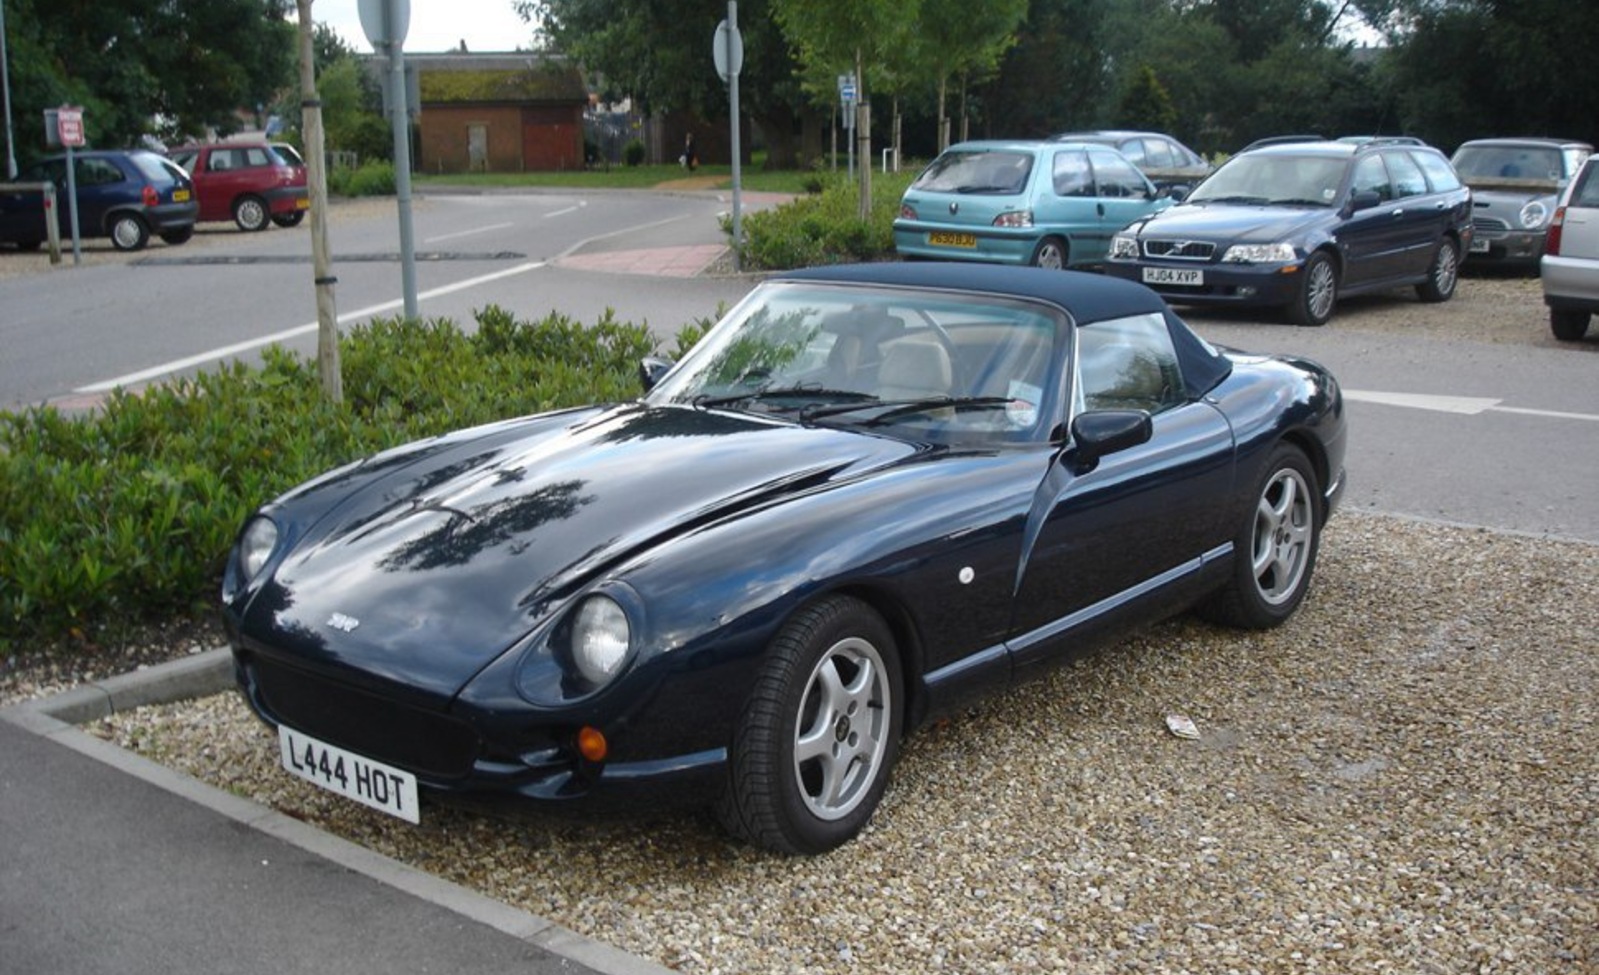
1048,204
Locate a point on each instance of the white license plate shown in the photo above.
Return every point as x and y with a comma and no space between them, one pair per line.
383,787
1479,246
1172,275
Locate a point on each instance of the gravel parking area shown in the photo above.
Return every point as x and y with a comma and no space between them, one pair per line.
1401,779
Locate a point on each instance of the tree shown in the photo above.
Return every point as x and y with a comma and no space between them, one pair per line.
659,54
1147,104
1463,69
167,68
957,38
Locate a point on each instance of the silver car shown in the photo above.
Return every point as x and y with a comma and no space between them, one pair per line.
1570,265
1514,185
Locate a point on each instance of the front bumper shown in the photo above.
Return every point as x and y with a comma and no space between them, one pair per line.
1224,284
1497,246
453,758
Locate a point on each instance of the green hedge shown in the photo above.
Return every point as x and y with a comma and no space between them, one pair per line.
126,514
825,228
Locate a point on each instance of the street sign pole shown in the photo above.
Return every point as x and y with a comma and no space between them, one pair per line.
64,126
386,23
727,50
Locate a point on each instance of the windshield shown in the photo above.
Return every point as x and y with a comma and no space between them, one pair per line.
1508,162
978,171
1274,179
937,365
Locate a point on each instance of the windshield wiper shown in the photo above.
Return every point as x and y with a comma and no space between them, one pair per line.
901,407
779,392
1254,200
1298,202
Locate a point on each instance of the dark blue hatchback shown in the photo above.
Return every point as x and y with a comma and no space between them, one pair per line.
125,195
1295,225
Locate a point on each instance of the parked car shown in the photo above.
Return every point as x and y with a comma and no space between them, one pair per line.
1570,264
868,494
1514,185
125,195
246,182
1049,204
1296,225
1168,163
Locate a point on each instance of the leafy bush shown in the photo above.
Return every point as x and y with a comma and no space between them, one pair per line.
633,153
371,179
824,228
126,514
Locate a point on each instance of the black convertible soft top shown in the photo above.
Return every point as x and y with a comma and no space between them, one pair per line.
1087,298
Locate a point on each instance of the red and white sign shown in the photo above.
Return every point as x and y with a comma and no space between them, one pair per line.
69,126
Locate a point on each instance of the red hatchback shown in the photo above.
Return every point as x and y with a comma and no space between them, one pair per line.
246,182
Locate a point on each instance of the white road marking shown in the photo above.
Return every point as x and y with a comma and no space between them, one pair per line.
468,233
562,213
1460,405
178,365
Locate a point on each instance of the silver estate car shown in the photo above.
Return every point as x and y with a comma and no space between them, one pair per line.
1570,265
1514,185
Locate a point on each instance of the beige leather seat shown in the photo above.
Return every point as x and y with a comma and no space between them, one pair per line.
915,367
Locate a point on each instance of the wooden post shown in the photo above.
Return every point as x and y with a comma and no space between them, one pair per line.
327,343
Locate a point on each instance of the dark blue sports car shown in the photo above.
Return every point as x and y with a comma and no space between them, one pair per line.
866,495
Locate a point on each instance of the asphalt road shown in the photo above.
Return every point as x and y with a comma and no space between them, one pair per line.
1501,434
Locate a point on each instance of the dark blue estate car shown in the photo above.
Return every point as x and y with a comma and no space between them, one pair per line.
865,496
1295,225
125,195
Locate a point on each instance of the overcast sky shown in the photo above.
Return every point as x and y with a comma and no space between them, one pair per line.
436,25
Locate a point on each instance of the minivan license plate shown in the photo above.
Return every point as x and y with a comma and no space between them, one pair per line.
383,787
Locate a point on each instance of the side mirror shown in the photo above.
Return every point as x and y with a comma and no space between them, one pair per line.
1177,193
1364,200
1102,432
650,370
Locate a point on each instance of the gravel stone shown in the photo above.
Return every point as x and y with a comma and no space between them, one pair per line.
1400,779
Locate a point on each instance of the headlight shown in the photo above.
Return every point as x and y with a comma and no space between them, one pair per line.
1278,253
601,637
1534,214
1124,247
255,546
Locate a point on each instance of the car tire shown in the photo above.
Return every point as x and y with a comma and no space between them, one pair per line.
1318,292
1274,552
1568,324
1442,274
813,747
288,219
1051,254
128,232
251,213
178,236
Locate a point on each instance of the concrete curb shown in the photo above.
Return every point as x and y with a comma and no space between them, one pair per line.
211,672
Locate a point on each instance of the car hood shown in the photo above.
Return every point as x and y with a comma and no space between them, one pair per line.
418,582
1230,222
